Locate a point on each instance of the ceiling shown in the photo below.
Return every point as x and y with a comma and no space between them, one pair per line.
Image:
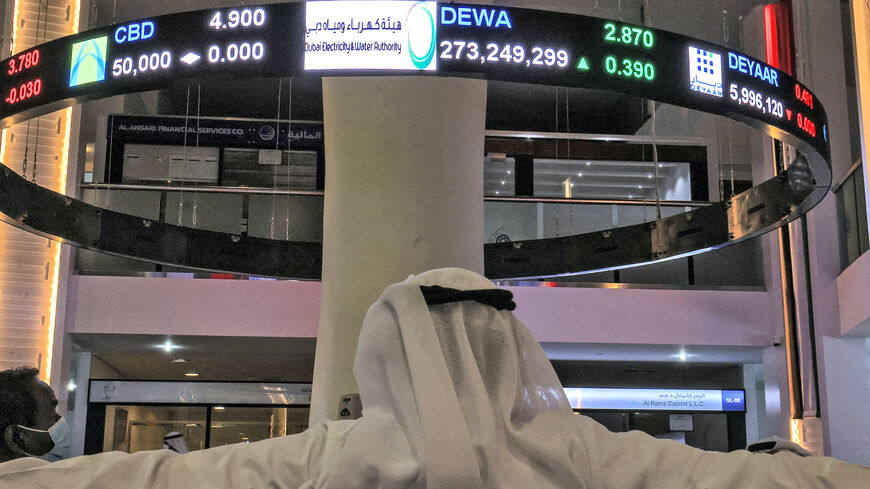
144,357
653,353
220,358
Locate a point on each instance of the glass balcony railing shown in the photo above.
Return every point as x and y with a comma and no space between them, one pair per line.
515,219
265,213
298,215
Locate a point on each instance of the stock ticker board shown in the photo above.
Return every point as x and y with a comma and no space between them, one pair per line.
393,37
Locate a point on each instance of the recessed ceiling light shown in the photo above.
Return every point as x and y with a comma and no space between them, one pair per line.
588,163
580,174
191,425
683,356
191,374
219,408
71,386
178,360
168,346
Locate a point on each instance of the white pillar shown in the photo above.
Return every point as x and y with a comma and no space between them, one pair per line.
403,194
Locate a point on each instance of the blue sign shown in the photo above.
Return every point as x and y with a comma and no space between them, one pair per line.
733,401
656,399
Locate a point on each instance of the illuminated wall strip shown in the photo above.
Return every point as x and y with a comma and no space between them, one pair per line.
796,432
861,31
64,155
771,37
3,146
77,9
15,26
56,268
779,36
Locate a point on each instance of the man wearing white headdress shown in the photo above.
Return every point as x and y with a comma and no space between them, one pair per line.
457,394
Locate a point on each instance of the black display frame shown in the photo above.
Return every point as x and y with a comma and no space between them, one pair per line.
751,213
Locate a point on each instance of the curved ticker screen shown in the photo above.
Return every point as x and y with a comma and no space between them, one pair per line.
573,50
337,37
150,53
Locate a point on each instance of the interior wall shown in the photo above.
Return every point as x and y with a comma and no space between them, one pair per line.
194,307
852,286
635,316
291,308
847,380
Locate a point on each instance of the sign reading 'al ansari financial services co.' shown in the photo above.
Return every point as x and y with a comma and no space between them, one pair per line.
381,35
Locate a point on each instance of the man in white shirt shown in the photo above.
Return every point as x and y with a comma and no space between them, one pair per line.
456,393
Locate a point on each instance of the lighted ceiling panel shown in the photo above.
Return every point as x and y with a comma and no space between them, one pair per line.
39,150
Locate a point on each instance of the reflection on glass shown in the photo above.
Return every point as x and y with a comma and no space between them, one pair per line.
136,428
498,175
612,179
282,169
249,424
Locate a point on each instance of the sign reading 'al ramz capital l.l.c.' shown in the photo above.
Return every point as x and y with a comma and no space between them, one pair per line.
381,35
656,399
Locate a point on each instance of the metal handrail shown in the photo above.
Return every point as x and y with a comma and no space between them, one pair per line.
626,138
556,200
203,189
266,190
852,169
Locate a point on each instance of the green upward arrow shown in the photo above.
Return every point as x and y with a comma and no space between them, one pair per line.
582,64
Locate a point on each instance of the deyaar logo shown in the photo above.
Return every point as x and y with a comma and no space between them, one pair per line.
88,62
705,71
420,24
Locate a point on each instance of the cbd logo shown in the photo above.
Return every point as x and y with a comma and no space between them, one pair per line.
88,61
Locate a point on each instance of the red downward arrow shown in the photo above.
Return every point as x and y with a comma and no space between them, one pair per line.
788,114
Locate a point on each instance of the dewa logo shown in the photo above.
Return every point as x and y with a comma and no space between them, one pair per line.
88,61
421,35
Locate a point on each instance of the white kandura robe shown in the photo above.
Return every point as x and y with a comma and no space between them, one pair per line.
458,396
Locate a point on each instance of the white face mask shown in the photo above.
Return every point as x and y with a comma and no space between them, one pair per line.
61,435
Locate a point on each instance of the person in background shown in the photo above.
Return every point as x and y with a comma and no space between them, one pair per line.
175,441
29,423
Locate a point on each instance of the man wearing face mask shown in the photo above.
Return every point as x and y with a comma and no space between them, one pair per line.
29,423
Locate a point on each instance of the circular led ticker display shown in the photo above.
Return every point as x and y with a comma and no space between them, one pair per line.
411,37
333,38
